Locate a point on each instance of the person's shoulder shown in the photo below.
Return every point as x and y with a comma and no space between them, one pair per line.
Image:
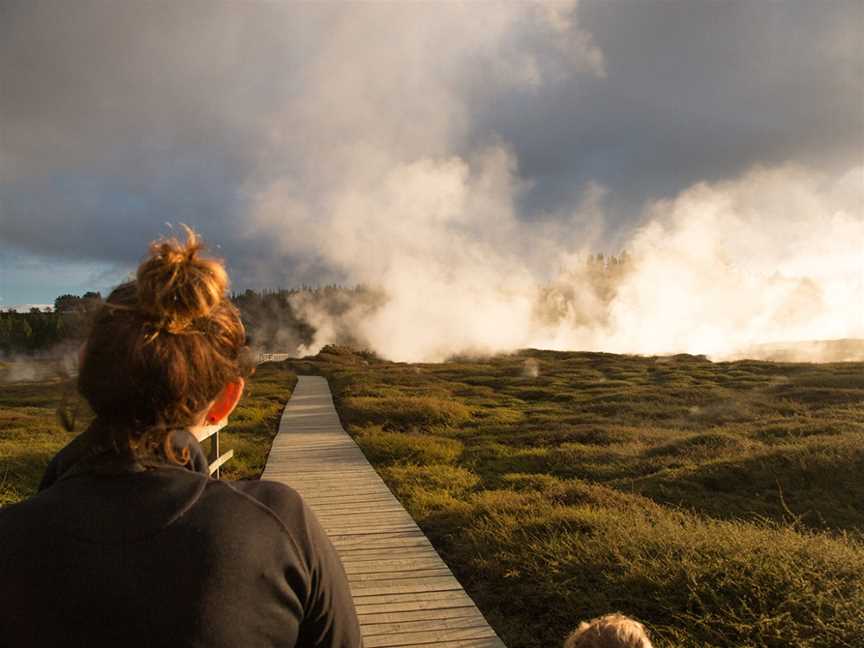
65,458
279,501
279,498
9,512
24,507
16,518
266,490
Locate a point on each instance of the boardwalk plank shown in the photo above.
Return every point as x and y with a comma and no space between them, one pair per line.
390,575
358,522
357,508
420,625
466,611
375,603
400,640
392,540
375,555
404,593
374,566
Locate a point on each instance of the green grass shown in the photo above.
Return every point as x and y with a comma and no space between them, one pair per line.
255,422
30,433
720,503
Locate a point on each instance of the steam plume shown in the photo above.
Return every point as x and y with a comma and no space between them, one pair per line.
772,257
465,158
408,199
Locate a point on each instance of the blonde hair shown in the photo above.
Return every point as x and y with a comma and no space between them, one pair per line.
609,631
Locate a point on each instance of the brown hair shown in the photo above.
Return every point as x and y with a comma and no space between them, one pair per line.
609,631
162,346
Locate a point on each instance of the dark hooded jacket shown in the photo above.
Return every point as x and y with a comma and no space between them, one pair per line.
114,551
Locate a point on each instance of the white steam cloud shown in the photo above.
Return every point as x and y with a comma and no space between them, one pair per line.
773,257
463,157
397,191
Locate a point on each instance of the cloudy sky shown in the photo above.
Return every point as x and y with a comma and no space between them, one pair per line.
312,142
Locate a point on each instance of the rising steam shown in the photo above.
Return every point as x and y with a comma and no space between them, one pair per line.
773,257
398,191
461,160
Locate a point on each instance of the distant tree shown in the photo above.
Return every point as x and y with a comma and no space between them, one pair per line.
20,334
60,328
40,330
68,304
91,301
5,332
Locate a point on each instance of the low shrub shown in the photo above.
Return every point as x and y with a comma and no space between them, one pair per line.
404,412
705,446
30,435
699,582
432,477
386,448
719,503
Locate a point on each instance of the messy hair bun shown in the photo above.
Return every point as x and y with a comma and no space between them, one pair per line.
176,287
164,345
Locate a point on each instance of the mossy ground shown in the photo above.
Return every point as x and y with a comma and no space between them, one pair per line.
720,503
30,433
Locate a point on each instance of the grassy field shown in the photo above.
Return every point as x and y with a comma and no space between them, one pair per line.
30,434
719,503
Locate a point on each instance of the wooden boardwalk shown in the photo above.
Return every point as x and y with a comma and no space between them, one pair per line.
404,593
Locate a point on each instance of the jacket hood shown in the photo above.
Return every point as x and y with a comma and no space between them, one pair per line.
113,498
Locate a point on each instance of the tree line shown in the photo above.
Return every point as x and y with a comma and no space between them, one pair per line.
38,330
287,320
275,319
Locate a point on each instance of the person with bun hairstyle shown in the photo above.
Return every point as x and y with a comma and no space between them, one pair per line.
129,541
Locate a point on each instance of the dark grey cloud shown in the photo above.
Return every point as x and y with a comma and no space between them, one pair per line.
118,117
695,91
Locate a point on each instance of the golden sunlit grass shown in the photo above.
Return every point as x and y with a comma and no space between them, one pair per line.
30,434
717,502
256,420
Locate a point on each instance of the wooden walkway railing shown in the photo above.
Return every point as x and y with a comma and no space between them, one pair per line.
214,457
404,593
272,357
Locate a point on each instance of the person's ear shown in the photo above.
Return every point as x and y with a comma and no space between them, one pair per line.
226,401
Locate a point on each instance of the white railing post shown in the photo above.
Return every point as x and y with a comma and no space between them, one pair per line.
214,459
